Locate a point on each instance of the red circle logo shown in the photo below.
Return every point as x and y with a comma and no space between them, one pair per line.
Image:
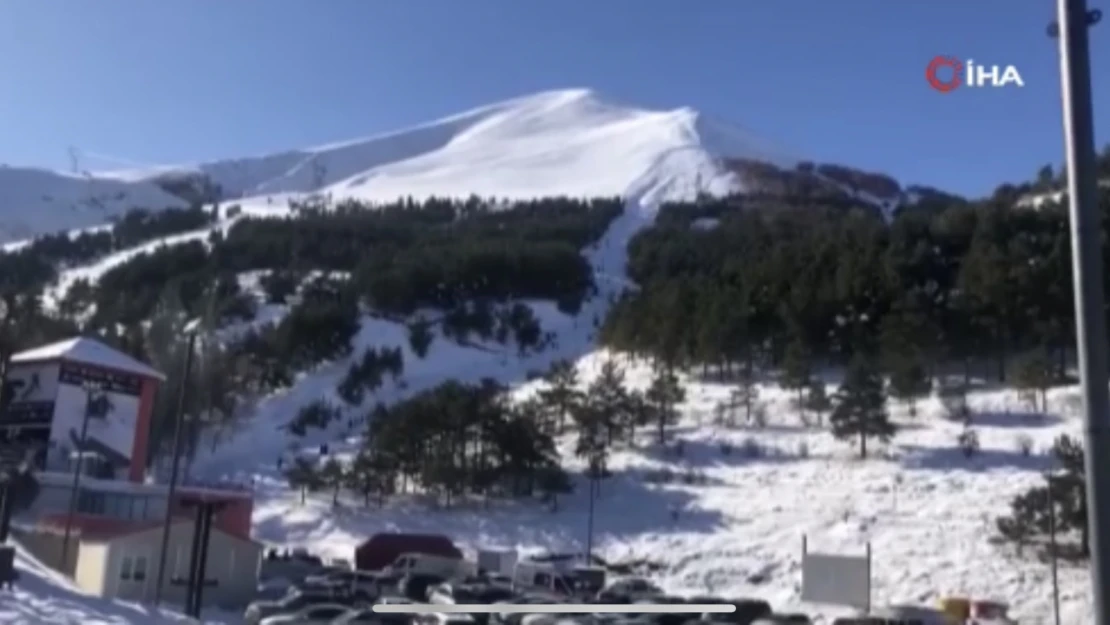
932,73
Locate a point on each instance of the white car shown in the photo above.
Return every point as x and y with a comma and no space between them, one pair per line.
629,590
319,614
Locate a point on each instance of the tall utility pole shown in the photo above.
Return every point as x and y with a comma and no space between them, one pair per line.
1073,19
178,426
90,388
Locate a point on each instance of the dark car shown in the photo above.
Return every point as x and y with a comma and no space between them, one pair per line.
292,602
367,616
415,585
747,611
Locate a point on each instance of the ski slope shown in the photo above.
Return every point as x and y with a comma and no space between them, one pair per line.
38,201
567,142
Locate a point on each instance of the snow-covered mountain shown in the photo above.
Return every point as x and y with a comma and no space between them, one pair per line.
40,201
567,142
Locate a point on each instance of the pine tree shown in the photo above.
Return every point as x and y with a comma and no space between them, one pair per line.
351,389
860,405
909,381
420,337
796,372
817,400
745,394
303,475
610,399
332,475
369,473
663,395
1033,374
562,393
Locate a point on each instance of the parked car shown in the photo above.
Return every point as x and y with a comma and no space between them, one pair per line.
510,618
442,619
415,586
259,610
321,614
784,619
370,617
628,590
362,584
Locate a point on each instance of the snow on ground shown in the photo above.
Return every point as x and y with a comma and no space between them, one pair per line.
44,596
445,360
926,509
92,272
38,201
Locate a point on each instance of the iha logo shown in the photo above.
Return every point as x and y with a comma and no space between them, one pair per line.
945,73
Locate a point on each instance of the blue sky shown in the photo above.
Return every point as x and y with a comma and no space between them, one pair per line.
184,80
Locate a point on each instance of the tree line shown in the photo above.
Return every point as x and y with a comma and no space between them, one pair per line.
33,266
400,257
971,283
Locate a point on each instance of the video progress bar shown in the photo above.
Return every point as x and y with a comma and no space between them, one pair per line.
554,608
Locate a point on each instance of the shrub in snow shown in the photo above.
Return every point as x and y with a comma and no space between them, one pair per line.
803,449
759,416
1024,444
953,397
751,448
968,441
680,448
693,478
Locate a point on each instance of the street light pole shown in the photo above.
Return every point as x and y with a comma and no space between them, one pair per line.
178,426
1073,20
89,387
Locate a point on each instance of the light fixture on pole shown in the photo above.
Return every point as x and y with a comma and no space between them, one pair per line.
1072,21
178,425
90,388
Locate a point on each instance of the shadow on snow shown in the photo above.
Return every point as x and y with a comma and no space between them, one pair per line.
916,457
1000,419
628,505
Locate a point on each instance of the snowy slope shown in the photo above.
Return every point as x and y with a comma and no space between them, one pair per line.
44,596
567,142
926,510
39,201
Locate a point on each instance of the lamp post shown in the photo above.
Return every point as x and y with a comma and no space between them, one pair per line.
1072,21
90,387
178,426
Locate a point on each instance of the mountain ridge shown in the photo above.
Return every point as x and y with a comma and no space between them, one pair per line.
569,142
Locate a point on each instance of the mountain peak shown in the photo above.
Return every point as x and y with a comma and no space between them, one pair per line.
572,142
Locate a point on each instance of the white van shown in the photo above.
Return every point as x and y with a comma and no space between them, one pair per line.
497,561
560,580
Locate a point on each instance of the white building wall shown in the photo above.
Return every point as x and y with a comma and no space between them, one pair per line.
92,563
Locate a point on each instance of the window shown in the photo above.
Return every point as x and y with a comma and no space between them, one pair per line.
140,568
90,503
125,568
179,563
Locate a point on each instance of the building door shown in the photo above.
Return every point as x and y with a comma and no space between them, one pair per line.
134,571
